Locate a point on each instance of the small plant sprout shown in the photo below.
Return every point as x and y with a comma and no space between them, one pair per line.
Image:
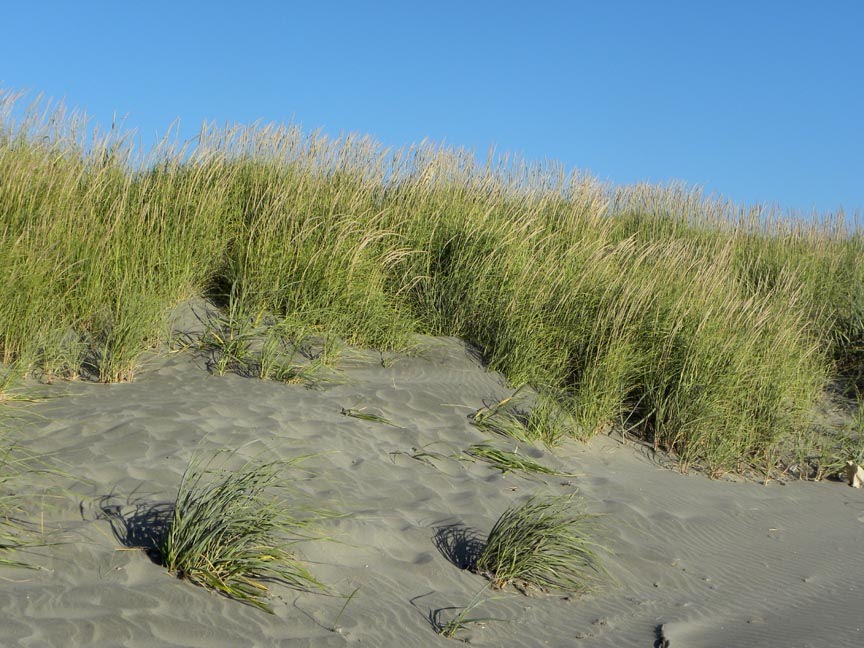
362,414
542,543
461,620
335,625
423,454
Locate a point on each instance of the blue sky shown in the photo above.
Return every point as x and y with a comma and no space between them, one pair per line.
757,101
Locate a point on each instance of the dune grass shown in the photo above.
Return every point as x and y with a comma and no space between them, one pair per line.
544,420
230,534
839,447
363,415
17,531
707,329
460,620
11,528
509,460
543,542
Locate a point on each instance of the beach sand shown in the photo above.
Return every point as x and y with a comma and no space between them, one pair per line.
692,561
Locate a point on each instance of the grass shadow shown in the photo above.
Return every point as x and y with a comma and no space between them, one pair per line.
459,544
143,527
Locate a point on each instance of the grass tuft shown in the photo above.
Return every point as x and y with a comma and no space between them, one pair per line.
229,534
544,543
505,419
545,420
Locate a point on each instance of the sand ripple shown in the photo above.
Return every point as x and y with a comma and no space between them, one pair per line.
700,563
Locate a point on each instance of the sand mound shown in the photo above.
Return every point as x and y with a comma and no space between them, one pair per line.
695,562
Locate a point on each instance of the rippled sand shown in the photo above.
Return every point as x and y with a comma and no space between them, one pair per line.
695,562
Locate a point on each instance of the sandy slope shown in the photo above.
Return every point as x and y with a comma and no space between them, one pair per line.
696,562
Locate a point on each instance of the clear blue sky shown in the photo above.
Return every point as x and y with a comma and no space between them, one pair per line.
758,101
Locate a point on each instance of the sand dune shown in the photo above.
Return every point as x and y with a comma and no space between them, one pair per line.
693,562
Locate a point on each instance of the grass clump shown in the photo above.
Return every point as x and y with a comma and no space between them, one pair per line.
228,338
229,534
544,543
839,448
545,420
261,347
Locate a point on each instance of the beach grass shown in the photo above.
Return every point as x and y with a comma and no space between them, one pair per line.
460,620
546,420
509,460
841,447
544,542
363,415
230,534
16,528
708,329
11,528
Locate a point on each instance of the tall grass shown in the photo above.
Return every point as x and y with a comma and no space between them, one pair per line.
706,329
93,253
